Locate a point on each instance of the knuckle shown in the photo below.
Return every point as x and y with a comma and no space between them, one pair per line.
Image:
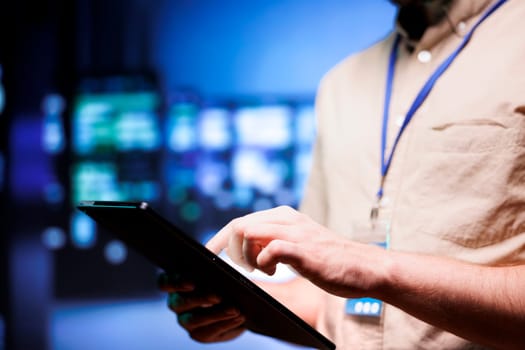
300,217
248,233
291,213
237,225
273,248
285,209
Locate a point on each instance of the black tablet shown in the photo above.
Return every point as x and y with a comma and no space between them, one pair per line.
166,246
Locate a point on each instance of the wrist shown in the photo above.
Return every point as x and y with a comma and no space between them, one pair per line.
387,271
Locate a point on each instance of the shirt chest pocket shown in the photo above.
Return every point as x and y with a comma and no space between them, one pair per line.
467,180
475,135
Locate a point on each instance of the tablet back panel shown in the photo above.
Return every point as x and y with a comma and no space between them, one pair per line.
167,247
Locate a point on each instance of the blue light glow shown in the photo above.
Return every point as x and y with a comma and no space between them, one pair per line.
240,156
232,156
54,193
92,127
182,127
53,138
83,231
264,126
134,325
2,93
262,204
95,181
243,197
211,175
286,197
54,238
214,129
190,211
177,194
305,125
116,121
139,190
115,252
302,165
137,130
30,169
224,200
2,332
182,135
261,47
251,168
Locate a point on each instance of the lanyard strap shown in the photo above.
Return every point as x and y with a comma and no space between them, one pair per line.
420,98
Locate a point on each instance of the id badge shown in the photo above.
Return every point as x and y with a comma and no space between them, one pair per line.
377,234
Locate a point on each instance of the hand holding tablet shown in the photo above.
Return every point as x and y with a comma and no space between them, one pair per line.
166,246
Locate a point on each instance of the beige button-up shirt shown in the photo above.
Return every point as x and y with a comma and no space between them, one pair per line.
456,186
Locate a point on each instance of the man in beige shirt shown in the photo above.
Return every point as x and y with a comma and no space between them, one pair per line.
451,202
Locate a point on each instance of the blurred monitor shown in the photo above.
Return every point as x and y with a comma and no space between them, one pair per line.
116,135
115,154
223,160
201,163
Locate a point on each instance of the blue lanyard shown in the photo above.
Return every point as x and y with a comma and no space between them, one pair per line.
420,98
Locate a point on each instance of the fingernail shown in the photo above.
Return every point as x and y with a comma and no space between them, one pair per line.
184,318
174,299
232,312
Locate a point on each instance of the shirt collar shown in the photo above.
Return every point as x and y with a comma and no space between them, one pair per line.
458,21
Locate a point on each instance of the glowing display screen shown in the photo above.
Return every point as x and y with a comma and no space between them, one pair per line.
200,164
107,122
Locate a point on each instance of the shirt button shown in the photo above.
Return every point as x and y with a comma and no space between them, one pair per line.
424,56
384,203
461,28
399,120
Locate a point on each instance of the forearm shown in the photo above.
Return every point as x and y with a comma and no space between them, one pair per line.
479,303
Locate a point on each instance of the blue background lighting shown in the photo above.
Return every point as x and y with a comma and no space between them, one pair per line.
204,108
